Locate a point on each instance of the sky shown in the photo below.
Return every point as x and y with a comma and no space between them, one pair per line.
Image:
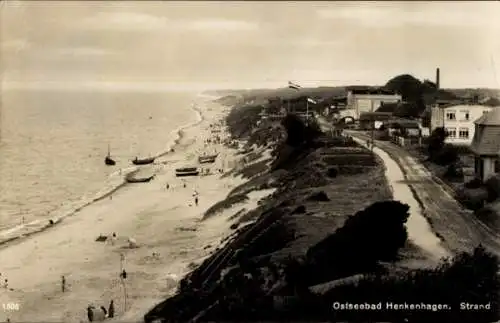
210,45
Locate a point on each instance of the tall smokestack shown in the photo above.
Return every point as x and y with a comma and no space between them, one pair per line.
437,77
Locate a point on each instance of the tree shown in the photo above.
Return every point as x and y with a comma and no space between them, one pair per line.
436,141
408,86
298,132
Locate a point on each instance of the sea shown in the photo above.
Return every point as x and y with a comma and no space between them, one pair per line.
53,144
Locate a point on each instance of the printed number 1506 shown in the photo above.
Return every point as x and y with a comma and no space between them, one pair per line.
10,306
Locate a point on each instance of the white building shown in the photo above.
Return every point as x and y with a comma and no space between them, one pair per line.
369,100
458,121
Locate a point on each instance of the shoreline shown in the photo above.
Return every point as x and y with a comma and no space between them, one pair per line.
8,235
168,226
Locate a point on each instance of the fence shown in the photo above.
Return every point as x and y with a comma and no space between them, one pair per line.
406,141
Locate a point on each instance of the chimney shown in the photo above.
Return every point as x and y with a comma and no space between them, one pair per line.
437,78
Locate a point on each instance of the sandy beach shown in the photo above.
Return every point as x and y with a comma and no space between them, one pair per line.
162,221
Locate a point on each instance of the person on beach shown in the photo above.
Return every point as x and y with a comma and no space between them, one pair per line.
184,185
111,309
105,311
123,274
63,283
6,284
167,186
113,238
196,200
90,313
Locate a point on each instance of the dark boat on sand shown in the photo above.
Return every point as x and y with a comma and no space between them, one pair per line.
207,159
108,160
187,171
131,179
143,161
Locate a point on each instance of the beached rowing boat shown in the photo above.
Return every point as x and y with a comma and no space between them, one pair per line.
143,161
207,159
131,179
187,171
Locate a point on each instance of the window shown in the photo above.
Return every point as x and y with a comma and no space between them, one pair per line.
450,116
465,115
451,132
463,133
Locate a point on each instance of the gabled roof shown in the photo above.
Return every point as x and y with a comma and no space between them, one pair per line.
402,123
491,118
486,139
375,116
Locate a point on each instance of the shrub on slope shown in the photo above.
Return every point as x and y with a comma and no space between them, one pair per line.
371,235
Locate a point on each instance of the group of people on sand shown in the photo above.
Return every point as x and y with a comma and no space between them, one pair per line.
195,194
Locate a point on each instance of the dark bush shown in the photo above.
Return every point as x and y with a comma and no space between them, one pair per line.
301,209
298,132
473,199
332,172
453,172
446,156
371,235
474,183
319,196
493,188
435,142
490,215
273,238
